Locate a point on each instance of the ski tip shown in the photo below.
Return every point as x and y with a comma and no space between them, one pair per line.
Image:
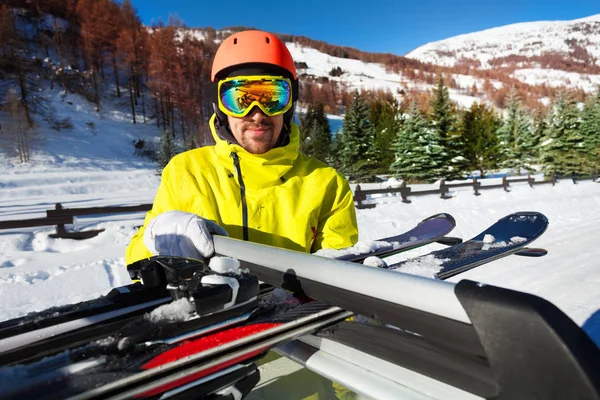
445,216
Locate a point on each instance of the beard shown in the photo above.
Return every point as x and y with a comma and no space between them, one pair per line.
265,124
256,135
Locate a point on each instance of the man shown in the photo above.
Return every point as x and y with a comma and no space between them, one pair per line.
253,184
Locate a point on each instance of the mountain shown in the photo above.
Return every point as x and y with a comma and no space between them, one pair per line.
551,53
578,40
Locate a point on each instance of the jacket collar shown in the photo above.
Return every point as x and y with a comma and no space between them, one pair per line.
258,170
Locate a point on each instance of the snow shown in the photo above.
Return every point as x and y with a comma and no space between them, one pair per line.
426,266
374,262
359,75
492,244
489,238
528,39
224,265
556,78
176,311
38,272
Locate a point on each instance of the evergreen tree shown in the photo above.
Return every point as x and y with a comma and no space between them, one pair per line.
386,117
539,130
335,150
514,134
168,149
481,145
444,120
320,134
305,125
590,128
315,132
357,152
562,151
419,155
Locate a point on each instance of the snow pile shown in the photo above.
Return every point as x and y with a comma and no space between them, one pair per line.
223,265
490,242
176,311
362,247
374,262
426,266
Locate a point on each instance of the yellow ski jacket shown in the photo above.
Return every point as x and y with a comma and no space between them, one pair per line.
280,198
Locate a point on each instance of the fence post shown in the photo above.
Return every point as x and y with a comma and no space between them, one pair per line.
476,185
505,183
61,231
443,189
404,192
358,196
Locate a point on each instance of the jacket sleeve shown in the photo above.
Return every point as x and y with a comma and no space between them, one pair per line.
166,199
337,227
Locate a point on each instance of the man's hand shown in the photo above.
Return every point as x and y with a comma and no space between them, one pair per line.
181,234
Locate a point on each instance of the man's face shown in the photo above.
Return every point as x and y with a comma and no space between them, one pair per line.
257,133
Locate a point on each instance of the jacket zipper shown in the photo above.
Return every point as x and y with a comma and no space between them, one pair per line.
236,164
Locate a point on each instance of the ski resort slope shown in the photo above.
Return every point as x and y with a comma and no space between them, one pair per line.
37,272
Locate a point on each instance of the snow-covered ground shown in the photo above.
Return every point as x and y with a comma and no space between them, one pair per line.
37,272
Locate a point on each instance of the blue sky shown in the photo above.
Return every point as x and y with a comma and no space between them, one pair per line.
385,26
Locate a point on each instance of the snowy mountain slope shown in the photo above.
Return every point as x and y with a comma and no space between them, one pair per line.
526,39
576,41
360,75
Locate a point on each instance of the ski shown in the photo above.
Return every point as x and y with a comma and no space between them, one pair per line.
306,280
145,362
430,230
110,317
62,327
509,235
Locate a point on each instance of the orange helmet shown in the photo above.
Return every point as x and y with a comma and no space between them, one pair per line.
251,47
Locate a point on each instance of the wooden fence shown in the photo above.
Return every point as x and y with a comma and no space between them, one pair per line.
362,197
61,216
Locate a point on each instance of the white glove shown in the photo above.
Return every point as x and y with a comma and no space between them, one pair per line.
181,234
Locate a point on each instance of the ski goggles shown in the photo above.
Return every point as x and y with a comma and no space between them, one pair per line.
239,94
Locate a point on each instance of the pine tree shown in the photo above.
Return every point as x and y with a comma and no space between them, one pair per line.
443,114
562,151
357,152
514,135
320,134
315,133
539,131
386,118
478,129
419,155
305,125
168,149
590,129
444,121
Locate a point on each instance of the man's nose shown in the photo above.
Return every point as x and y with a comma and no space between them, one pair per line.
256,114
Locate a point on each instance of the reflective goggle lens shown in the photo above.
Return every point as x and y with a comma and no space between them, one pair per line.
238,95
